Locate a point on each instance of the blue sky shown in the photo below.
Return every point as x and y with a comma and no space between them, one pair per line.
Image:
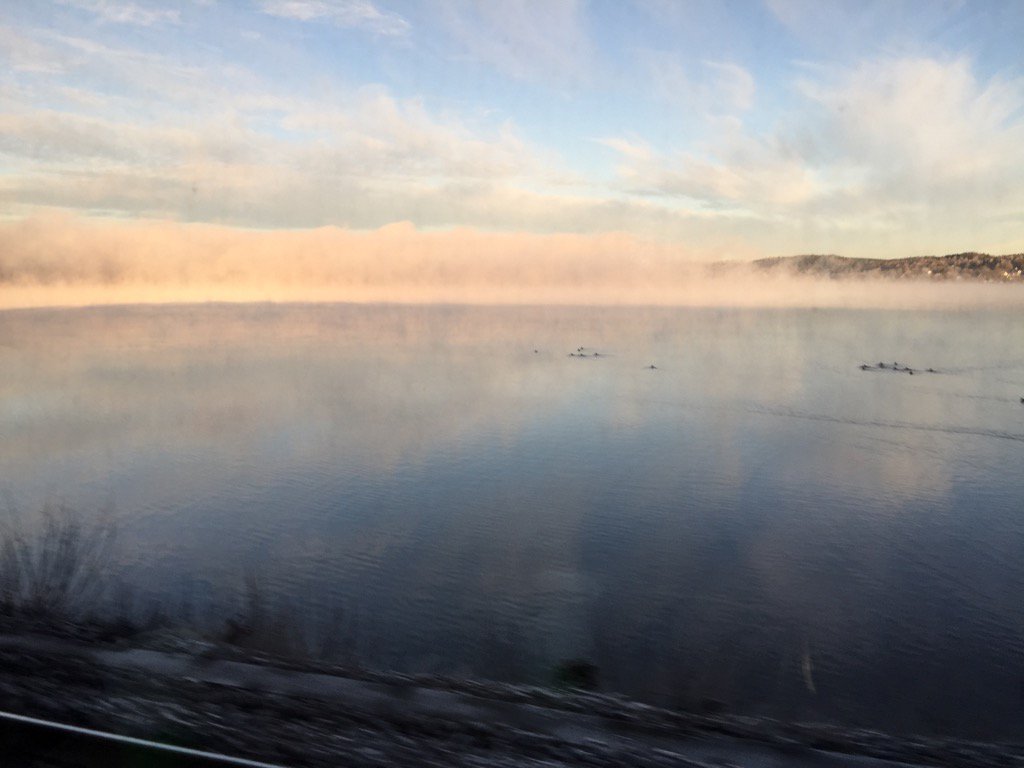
725,129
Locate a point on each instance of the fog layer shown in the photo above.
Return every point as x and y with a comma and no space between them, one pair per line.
62,260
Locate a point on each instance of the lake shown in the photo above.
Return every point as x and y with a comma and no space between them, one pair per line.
755,524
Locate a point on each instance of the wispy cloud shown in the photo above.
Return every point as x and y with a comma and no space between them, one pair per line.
373,133
929,117
343,13
367,159
24,54
734,82
712,88
124,12
532,40
631,149
871,146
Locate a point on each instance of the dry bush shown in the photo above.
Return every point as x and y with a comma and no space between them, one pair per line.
281,628
57,569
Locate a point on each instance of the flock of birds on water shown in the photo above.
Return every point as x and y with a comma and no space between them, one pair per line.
896,367
584,352
901,369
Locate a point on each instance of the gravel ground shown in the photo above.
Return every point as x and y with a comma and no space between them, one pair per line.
191,693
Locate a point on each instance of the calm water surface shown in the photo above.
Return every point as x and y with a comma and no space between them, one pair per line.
755,523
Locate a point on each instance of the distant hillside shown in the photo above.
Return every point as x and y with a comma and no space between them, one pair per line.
957,266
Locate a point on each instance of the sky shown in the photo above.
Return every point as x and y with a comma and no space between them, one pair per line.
674,129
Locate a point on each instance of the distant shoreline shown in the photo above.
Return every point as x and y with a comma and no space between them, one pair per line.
971,266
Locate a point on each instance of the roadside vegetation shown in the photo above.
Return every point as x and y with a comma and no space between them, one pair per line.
60,574
59,568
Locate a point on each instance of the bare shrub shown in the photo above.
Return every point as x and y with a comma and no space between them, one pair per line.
58,570
259,626
281,628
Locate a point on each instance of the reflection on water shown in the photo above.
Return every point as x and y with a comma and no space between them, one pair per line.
755,523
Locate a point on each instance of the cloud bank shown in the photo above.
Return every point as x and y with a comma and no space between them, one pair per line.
912,143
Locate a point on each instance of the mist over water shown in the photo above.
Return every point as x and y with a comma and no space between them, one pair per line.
752,512
61,260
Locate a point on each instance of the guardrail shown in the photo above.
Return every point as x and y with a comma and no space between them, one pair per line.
95,747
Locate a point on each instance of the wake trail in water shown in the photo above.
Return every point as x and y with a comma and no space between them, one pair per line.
1009,365
794,414
940,428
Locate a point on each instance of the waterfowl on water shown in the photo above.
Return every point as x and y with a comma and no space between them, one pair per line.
653,367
